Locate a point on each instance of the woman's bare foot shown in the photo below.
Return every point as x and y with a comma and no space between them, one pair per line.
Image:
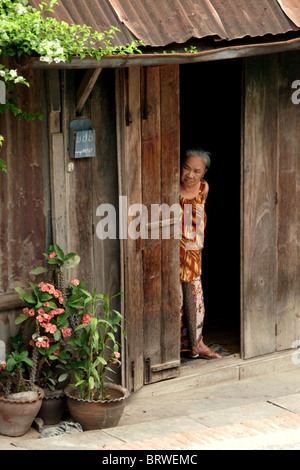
204,352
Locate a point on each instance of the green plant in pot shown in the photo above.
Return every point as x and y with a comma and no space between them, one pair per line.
37,354
20,397
51,319
94,400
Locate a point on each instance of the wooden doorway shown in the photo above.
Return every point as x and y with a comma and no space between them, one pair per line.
210,117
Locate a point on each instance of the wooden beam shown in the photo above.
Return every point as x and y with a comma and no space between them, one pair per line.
11,300
85,88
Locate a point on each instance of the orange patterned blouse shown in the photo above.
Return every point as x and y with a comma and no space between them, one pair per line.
191,259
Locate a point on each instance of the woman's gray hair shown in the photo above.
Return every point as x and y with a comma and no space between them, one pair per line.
206,156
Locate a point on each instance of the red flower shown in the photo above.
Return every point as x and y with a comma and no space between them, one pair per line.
86,318
66,332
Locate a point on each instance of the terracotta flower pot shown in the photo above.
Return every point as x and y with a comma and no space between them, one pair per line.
97,414
17,415
53,406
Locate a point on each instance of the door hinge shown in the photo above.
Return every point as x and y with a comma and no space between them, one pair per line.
148,369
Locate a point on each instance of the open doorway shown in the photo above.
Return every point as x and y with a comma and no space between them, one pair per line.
210,117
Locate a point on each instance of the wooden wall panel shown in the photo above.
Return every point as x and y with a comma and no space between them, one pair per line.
288,281
271,214
128,95
92,182
170,141
25,225
151,194
259,207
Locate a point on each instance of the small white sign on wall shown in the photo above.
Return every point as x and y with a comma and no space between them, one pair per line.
2,92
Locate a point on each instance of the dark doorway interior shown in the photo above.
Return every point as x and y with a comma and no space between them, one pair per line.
210,116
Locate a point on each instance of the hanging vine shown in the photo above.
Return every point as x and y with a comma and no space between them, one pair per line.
28,30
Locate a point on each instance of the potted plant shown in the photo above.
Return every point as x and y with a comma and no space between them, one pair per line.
36,356
54,319
46,328
20,398
94,400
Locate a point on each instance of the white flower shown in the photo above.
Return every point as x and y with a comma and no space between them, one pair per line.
20,9
46,59
18,79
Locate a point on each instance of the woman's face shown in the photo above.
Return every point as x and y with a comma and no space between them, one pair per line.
192,171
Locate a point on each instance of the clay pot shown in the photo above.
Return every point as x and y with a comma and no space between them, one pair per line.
97,414
53,406
18,412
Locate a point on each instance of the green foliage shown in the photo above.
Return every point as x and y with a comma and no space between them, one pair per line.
62,332
27,30
95,347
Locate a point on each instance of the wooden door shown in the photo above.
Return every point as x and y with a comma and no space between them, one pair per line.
270,216
148,149
259,208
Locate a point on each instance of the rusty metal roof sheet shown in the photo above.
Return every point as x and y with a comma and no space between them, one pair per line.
159,23
162,22
98,14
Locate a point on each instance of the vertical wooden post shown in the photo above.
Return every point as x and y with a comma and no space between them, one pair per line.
57,162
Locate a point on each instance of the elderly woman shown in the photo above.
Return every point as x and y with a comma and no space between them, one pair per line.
193,192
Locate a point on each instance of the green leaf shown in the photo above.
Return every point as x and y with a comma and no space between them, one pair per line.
52,305
82,325
72,262
53,260
62,377
23,355
57,335
29,299
20,319
45,297
93,324
21,292
112,336
10,364
59,252
39,270
28,361
91,382
100,360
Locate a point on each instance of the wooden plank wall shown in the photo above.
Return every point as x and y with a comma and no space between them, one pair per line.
25,225
288,209
128,86
93,181
270,200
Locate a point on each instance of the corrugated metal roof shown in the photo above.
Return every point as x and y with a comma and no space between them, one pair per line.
159,23
98,14
162,22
